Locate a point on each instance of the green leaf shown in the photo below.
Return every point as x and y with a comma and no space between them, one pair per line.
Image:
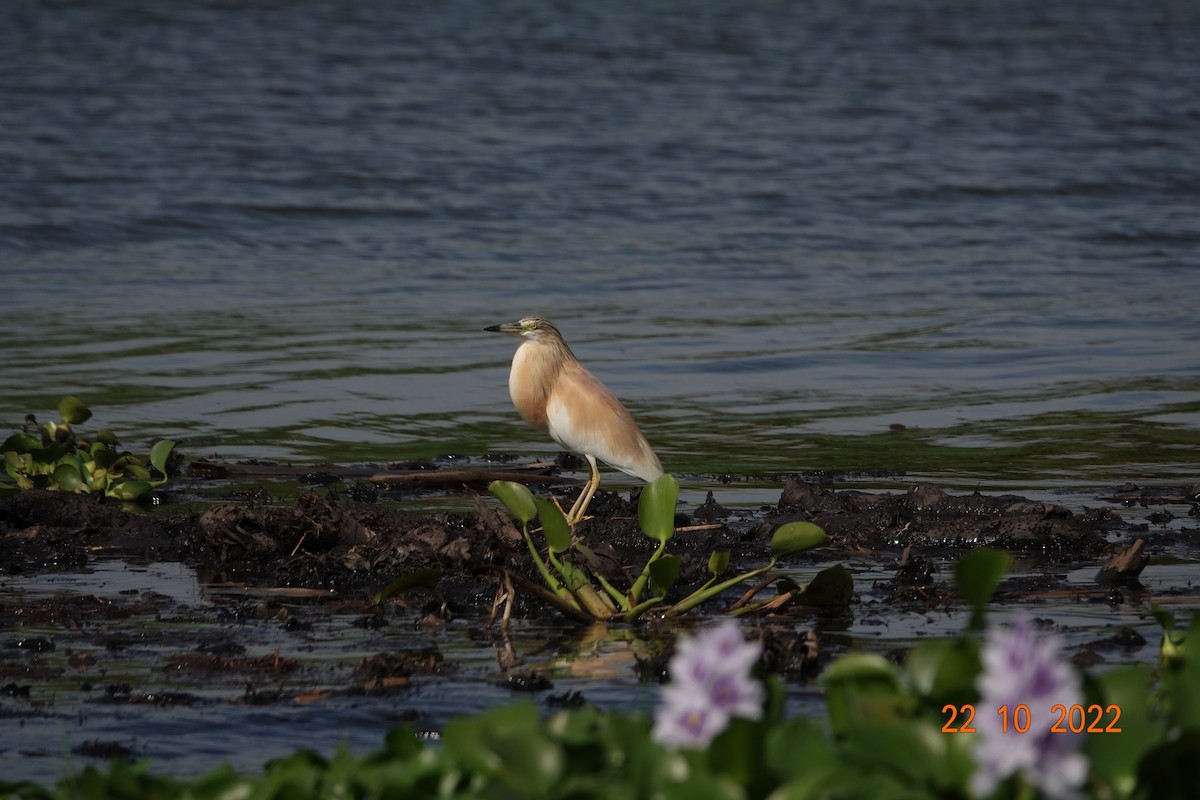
718,560
863,689
516,498
1124,695
830,587
136,469
129,490
509,748
103,456
51,454
22,443
554,525
944,670
68,477
656,508
159,455
1184,681
73,411
796,537
858,666
903,749
977,575
663,573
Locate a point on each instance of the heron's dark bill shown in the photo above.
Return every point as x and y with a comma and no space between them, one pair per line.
508,327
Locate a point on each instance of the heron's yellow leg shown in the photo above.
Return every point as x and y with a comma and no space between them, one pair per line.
585,497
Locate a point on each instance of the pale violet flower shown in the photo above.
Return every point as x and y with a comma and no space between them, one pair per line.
1025,668
710,682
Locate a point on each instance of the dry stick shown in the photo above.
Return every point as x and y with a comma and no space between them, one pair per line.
706,527
510,594
753,590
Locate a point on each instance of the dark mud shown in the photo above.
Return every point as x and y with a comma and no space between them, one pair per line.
288,619
340,545
345,544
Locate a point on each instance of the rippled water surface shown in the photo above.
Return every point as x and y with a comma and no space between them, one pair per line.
774,229
912,240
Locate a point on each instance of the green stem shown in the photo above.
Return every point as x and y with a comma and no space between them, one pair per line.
642,579
620,599
700,595
551,581
577,584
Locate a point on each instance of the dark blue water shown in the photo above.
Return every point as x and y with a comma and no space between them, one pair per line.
774,228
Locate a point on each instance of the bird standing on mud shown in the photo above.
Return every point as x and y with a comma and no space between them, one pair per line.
552,390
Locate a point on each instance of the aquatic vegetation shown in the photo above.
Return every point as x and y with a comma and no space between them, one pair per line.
910,730
1028,682
573,583
710,684
53,456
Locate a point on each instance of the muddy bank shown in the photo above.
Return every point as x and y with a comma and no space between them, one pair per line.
342,543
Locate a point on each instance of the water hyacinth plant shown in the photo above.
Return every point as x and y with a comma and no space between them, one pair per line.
1029,691
577,587
53,456
710,684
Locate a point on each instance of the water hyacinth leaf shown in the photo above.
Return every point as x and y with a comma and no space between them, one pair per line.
977,575
736,753
796,537
656,508
663,573
73,411
129,490
506,744
159,455
830,587
137,470
1184,681
420,578
800,736
1114,757
718,560
863,688
102,456
22,443
516,498
865,667
554,525
944,669
68,476
51,454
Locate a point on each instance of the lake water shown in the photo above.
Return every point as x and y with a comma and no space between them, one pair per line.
774,229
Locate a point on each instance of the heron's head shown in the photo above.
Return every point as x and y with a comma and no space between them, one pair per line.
533,329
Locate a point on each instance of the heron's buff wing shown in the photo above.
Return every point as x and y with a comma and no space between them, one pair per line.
585,417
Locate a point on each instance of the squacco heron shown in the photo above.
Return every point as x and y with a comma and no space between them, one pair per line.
552,390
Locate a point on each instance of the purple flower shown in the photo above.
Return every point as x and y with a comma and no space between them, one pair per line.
1022,668
710,682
